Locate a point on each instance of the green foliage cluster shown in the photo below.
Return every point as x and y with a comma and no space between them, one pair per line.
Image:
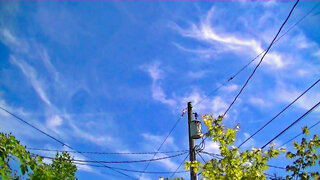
61,167
233,164
305,156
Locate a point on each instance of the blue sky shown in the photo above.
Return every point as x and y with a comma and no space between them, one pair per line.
114,76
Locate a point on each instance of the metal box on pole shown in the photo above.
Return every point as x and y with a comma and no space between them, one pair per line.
195,129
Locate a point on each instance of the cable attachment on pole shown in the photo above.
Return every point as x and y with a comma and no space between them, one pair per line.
196,116
184,111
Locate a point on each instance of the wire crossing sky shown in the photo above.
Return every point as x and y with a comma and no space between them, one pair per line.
279,113
265,53
112,77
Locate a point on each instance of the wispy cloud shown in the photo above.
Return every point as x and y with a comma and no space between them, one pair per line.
250,143
215,105
167,163
287,94
57,120
157,75
32,76
230,88
259,102
156,140
223,41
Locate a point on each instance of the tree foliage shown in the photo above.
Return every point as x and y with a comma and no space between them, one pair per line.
61,167
305,156
232,164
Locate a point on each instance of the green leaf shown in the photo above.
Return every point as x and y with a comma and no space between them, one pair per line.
305,130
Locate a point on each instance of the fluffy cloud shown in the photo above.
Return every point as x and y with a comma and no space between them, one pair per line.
212,147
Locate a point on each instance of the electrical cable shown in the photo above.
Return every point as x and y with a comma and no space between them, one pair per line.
165,139
279,113
131,170
20,119
301,117
201,157
119,162
106,153
255,69
252,60
277,167
299,134
218,156
60,142
179,166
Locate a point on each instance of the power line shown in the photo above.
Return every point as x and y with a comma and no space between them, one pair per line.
201,157
279,113
299,134
261,58
200,146
179,166
106,153
131,170
60,142
218,156
20,119
252,60
305,114
165,139
119,162
277,167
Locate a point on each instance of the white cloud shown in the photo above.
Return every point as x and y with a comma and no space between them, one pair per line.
98,139
269,3
300,41
212,147
145,178
32,76
230,88
43,55
204,104
250,143
229,42
259,102
15,44
153,70
302,72
158,139
197,74
159,95
54,121
167,163
317,54
9,38
201,52
156,74
10,124
287,95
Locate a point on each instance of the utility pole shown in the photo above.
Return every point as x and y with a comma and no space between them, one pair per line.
192,154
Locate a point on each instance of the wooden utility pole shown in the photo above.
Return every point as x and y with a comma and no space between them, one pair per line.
192,154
